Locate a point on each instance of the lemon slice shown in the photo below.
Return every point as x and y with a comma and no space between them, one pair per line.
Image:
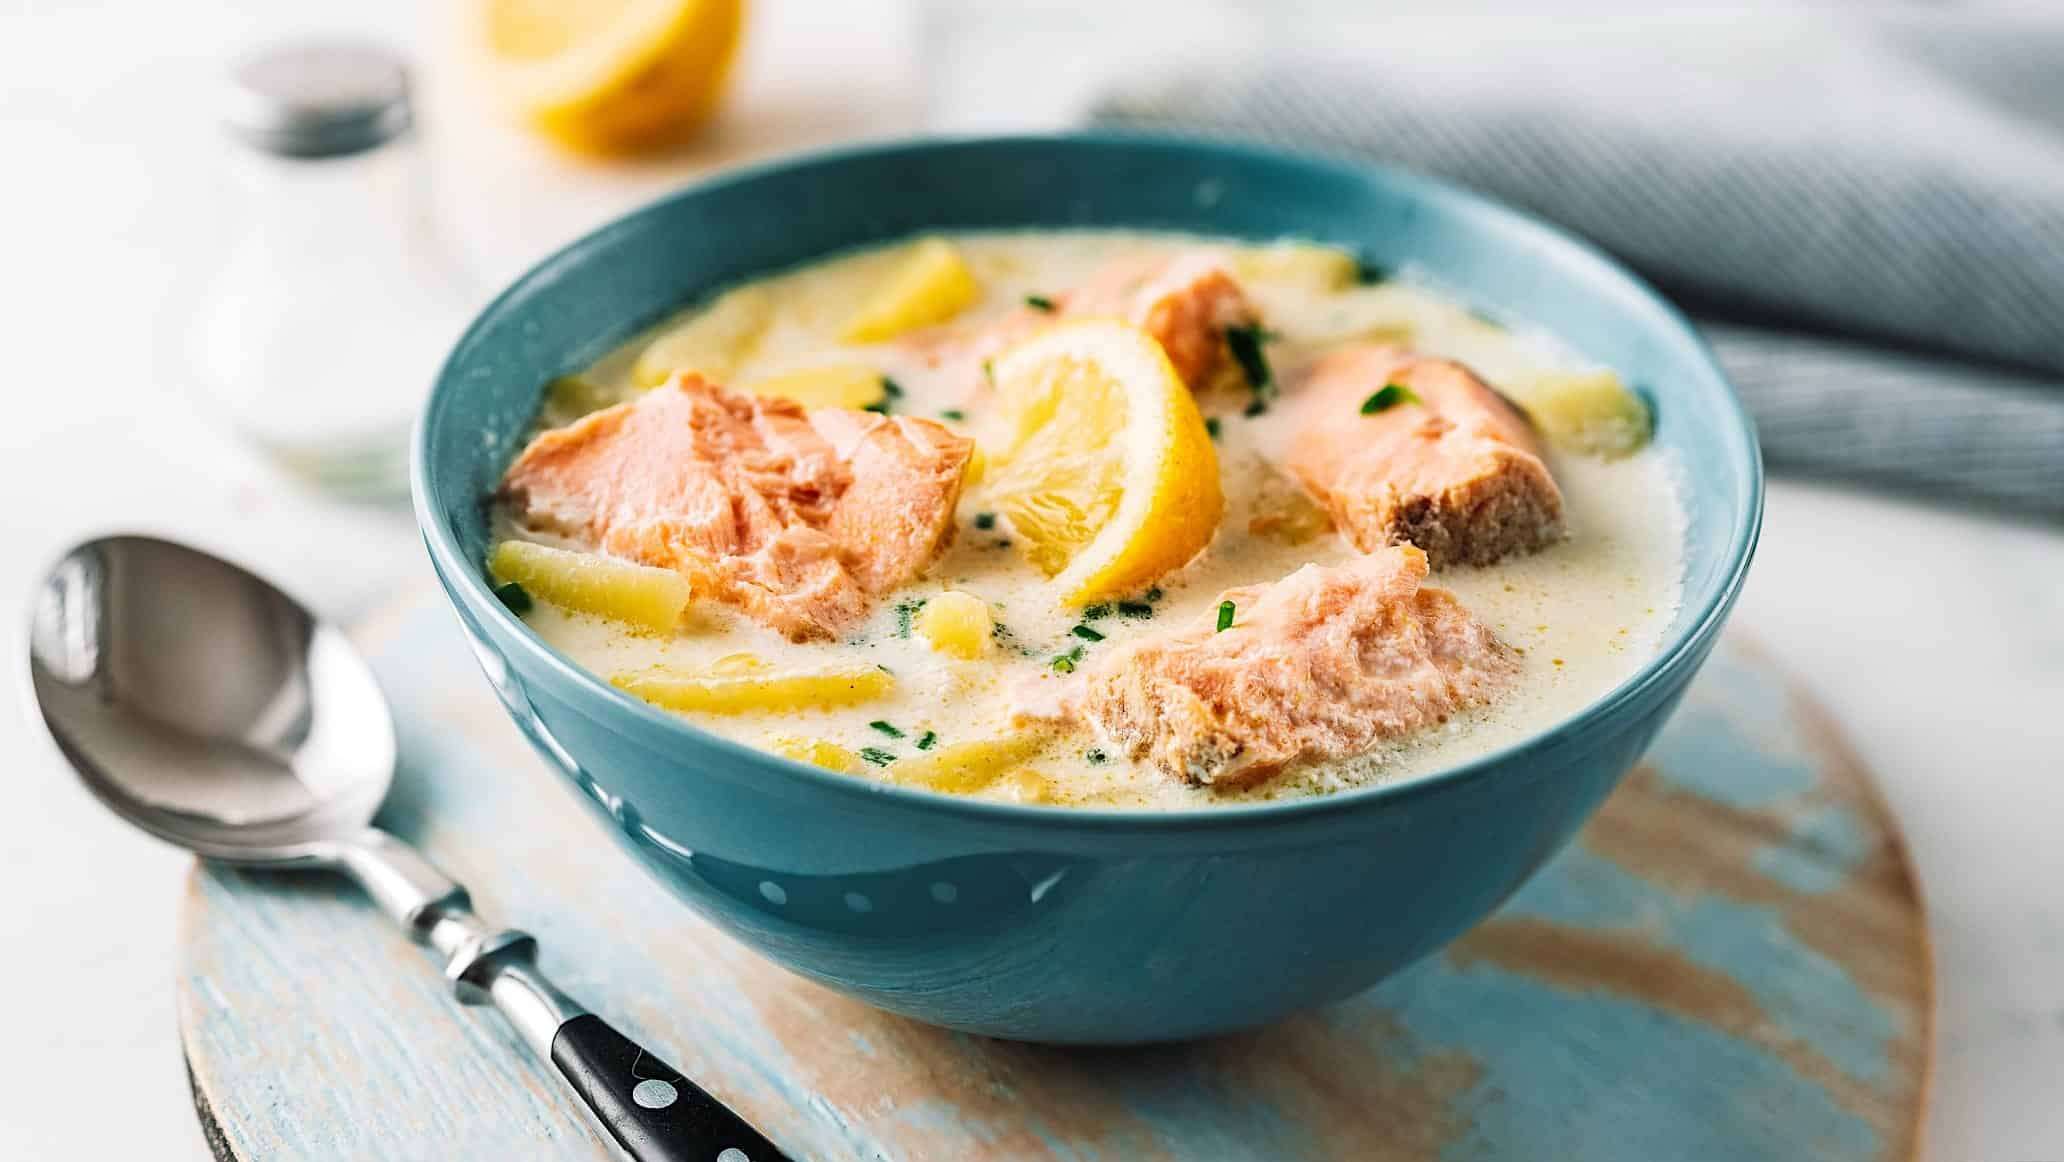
1105,471
612,76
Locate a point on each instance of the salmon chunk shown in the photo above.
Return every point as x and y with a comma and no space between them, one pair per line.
797,518
1326,663
1185,302
1456,473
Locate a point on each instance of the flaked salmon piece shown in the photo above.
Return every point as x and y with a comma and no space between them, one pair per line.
1457,473
797,518
1326,663
1185,302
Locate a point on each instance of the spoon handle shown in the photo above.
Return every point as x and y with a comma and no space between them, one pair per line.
652,1111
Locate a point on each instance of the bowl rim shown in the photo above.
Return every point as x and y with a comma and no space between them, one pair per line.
465,584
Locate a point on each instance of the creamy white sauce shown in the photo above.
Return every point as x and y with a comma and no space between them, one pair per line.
1586,612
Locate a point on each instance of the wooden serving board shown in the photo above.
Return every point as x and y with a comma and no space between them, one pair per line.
1731,963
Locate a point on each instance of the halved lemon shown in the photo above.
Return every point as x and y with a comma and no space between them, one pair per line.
612,76
1104,469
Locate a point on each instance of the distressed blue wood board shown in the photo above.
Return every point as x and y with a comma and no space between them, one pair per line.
1730,963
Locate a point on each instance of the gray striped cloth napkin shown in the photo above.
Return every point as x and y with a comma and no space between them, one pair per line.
1866,213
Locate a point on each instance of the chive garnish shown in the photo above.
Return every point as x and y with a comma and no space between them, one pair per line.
927,740
1254,409
905,611
1225,616
1211,427
891,388
1096,757
985,521
1040,303
515,597
886,728
879,407
1389,396
1367,272
877,755
1065,663
1153,594
1087,634
1096,611
1245,343
1135,609
954,414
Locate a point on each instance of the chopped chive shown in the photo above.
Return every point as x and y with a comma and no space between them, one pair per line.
1254,409
891,388
954,414
905,611
1211,427
1087,634
877,755
1153,594
1065,663
886,728
1135,609
515,597
1245,343
1367,272
985,521
927,740
879,407
1097,758
1040,303
1225,616
1096,611
1389,396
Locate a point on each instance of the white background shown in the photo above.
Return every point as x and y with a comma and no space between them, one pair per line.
1937,636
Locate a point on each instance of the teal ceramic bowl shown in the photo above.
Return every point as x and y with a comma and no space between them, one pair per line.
1052,924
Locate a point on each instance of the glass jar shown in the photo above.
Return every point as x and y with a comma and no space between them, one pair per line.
317,337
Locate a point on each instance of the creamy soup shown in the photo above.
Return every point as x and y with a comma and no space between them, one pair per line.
1576,617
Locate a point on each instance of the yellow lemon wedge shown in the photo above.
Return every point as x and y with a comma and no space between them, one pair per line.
611,76
1105,471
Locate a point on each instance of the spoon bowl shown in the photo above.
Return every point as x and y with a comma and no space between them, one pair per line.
205,706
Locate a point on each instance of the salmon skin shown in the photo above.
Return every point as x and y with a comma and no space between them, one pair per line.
1456,471
798,518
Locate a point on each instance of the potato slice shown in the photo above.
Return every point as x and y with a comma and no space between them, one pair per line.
956,624
840,385
676,689
1591,412
637,595
1305,265
966,767
713,341
815,751
930,285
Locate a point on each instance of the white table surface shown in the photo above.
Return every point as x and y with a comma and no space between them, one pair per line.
1936,636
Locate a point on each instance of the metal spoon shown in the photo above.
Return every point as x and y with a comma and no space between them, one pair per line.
215,712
